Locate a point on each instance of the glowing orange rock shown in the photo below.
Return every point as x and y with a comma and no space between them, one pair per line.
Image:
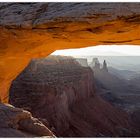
37,29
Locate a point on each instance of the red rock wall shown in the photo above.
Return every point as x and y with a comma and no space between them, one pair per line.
32,30
63,96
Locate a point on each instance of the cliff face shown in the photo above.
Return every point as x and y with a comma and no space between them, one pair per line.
61,93
31,30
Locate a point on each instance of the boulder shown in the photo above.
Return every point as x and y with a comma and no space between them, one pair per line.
16,122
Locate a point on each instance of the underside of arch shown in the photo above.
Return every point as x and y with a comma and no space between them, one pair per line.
32,30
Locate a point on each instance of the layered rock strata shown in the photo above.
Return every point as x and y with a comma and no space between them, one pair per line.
61,92
31,30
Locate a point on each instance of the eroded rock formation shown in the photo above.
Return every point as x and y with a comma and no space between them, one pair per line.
16,122
29,30
61,92
82,61
105,66
95,64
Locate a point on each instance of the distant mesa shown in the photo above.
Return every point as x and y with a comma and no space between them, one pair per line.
82,61
95,64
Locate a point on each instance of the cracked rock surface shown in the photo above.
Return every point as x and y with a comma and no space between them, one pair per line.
15,122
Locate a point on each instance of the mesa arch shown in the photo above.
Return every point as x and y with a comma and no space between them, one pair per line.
32,30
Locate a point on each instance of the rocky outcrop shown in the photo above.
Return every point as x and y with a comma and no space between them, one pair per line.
16,122
82,61
105,69
106,80
95,64
114,88
30,30
61,93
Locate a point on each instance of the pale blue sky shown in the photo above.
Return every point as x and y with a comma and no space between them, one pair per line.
105,50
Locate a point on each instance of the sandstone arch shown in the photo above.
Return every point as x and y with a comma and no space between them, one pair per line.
29,30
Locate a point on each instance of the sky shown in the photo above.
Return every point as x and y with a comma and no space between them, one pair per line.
102,50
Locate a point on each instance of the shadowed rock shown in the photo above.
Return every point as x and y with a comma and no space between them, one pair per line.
15,122
31,30
61,92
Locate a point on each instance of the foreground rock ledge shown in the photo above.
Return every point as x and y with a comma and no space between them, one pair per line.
15,122
30,30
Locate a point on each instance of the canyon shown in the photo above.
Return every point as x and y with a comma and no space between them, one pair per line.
61,93
33,30
119,91
121,87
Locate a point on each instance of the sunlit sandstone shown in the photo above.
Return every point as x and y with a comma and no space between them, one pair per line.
35,30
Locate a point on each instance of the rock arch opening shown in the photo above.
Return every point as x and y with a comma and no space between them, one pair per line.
73,89
37,29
